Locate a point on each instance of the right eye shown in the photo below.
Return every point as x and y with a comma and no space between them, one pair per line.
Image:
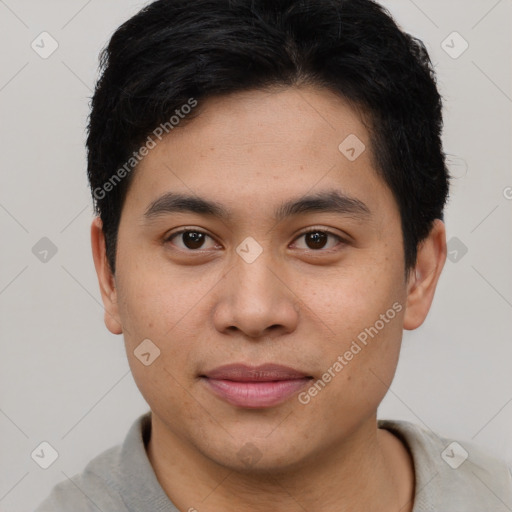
190,239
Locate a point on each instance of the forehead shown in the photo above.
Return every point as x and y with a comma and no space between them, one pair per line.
252,148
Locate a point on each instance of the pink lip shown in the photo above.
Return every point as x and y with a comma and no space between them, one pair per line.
255,386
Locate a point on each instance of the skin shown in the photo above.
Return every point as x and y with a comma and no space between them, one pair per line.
294,305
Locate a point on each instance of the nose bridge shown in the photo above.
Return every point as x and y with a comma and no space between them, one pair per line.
256,282
254,297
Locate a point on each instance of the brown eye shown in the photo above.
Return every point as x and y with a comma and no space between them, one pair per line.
191,240
318,239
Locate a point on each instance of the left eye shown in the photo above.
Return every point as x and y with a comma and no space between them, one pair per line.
318,239
190,239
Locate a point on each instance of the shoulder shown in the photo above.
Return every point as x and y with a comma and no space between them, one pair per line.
458,474
90,490
109,480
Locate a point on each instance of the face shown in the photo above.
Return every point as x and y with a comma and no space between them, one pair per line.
249,238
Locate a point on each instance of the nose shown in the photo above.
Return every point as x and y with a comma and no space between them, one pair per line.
257,300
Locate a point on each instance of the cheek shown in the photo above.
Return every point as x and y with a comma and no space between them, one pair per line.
155,298
360,309
352,297
159,308
172,310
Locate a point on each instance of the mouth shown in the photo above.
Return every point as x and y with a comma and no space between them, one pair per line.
255,387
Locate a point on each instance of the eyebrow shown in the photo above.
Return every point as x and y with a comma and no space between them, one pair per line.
326,202
331,201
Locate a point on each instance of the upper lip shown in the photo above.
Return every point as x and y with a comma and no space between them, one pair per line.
262,373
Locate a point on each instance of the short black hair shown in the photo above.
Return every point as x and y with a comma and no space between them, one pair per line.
177,51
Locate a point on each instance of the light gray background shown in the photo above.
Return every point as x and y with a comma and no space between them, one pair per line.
64,378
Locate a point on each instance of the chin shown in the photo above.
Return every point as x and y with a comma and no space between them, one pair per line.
258,456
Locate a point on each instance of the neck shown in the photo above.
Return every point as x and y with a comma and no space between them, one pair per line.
369,470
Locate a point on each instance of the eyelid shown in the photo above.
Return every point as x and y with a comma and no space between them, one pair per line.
314,229
185,230
171,236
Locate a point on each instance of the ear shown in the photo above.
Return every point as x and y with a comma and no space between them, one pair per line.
423,279
105,278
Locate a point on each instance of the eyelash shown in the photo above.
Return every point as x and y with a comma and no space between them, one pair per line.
310,230
327,232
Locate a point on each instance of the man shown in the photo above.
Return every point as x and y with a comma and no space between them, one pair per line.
270,184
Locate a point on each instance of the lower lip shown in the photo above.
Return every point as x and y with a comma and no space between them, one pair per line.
255,395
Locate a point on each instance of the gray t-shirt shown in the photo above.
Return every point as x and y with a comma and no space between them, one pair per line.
450,477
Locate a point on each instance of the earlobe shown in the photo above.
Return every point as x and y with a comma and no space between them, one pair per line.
106,279
424,277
